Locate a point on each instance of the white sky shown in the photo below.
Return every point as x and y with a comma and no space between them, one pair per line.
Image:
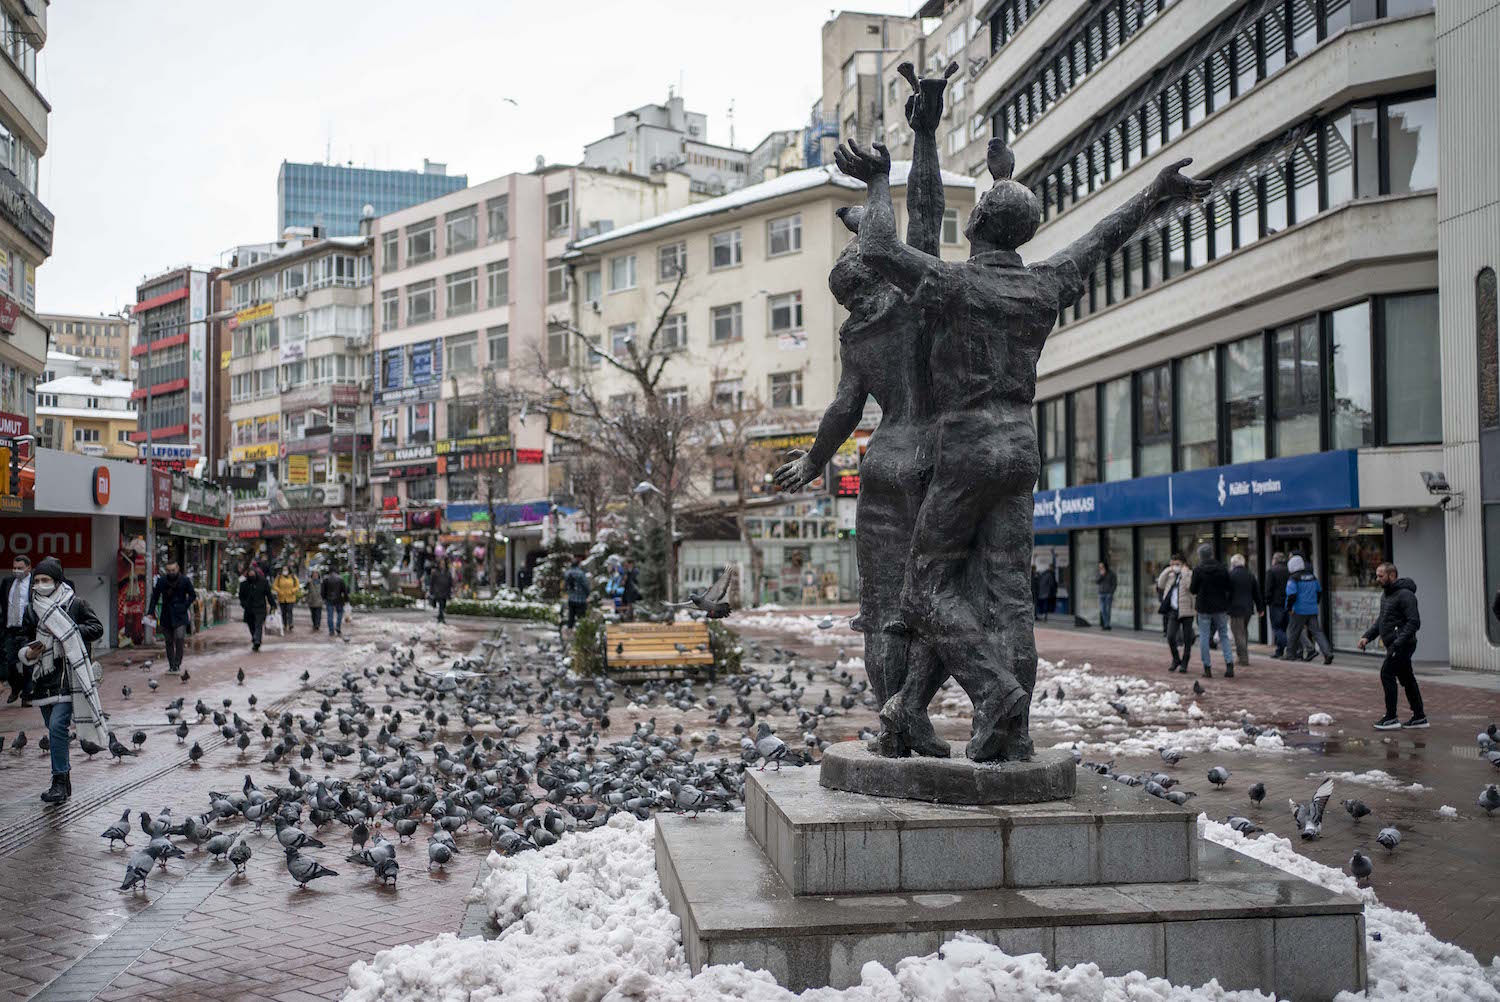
171,117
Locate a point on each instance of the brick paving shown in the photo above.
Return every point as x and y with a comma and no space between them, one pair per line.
200,933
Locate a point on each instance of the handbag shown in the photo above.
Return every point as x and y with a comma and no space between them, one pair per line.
1166,597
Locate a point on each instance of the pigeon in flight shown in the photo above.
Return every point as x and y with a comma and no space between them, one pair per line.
713,601
1309,816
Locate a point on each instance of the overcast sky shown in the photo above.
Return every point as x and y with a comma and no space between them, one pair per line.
170,117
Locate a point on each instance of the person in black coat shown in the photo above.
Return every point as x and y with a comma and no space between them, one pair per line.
1047,591
1244,601
1106,582
1273,600
335,594
15,596
440,588
1211,595
1397,626
175,593
255,596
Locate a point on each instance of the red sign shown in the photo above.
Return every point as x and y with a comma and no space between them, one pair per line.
10,311
12,425
69,538
528,455
101,485
161,492
390,502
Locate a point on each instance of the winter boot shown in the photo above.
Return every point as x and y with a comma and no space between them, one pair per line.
61,789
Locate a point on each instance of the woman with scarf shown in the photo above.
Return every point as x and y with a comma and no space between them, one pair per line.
62,663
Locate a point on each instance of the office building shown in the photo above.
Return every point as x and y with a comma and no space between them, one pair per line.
857,50
329,199
90,415
1291,365
102,340
753,328
177,358
665,137
956,35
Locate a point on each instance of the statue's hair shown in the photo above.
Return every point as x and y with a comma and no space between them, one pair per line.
1006,216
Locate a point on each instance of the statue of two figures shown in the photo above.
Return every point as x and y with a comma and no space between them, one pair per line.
949,351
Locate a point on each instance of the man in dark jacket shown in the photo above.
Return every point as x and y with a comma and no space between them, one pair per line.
440,588
1397,626
576,581
175,594
1244,601
630,589
1211,592
255,596
15,596
1047,592
335,594
1273,598
1106,583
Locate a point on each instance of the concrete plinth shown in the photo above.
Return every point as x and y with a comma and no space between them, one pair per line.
852,767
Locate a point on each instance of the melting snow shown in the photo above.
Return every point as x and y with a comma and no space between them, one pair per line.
1373,777
1319,720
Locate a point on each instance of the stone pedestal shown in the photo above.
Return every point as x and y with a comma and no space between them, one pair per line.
852,767
814,882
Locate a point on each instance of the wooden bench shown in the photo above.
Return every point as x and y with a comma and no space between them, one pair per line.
650,648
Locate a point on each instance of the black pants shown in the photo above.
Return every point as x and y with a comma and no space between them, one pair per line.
176,642
1179,630
317,615
442,606
286,615
1305,626
257,624
1397,668
575,609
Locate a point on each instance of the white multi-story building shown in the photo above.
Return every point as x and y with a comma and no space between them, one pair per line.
1273,370
92,414
655,138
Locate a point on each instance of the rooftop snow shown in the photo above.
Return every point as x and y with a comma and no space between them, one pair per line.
84,386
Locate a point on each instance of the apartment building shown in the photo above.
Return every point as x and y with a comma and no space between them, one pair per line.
101,340
661,137
753,325
90,415
176,357
299,339
26,225
464,288
857,50
1281,368
956,34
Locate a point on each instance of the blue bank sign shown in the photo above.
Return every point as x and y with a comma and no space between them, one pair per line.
1323,481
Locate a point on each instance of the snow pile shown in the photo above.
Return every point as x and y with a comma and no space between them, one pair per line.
1372,777
1447,812
585,920
1319,720
803,628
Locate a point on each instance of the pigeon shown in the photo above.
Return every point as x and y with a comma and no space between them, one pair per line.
1360,865
218,846
116,749
138,738
1390,838
1257,793
826,623
769,747
1178,797
1198,689
1356,808
1309,816
88,747
1489,799
387,869
1119,708
438,853
1171,756
239,676
182,732
712,601
195,752
18,744
125,691
239,854
1218,776
292,837
1243,825
305,869
117,831
137,870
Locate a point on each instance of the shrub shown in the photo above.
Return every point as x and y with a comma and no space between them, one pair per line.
380,600
725,645
537,612
588,644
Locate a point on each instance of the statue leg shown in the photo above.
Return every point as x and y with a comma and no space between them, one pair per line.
1006,649
905,727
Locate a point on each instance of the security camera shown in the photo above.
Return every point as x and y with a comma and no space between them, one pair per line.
1437,483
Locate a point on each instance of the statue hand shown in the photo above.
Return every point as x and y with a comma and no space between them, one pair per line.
924,109
792,477
1171,183
861,164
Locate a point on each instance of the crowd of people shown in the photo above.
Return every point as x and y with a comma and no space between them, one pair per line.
260,594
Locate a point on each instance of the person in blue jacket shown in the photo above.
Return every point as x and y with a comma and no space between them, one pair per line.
1302,595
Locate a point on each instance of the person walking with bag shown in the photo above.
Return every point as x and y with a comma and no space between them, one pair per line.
314,592
1303,593
255,595
174,592
287,590
1397,626
1244,601
1173,584
62,663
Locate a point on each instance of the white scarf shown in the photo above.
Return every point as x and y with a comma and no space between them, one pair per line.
65,644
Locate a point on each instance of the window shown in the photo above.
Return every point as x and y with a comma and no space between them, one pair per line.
463,415
783,236
1197,411
294,373
1411,145
85,434
951,228
675,398
786,312
557,346
1350,388
497,212
1116,414
786,389
390,421
726,322
622,272
390,309
122,435
463,352
294,279
559,213
421,489
1155,421
593,285
1412,370
421,242
421,302
462,229
1052,442
724,249
1245,398
463,292
497,283
725,482
621,337
673,335
671,261
1297,395
419,422
390,250
463,486
557,281
498,339
729,394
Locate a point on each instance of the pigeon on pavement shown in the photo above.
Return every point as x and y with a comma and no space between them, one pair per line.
305,869
1390,838
1489,799
117,831
1356,808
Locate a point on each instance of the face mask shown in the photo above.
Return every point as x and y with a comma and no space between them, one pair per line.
45,589
18,574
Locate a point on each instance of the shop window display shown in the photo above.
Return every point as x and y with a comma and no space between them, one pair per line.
1356,546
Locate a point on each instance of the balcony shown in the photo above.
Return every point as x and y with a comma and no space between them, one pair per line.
23,105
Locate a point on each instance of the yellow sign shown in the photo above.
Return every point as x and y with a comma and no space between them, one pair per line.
224,357
297,469
254,313
254,453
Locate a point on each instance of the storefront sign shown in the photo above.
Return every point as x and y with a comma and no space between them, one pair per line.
197,409
427,518
505,514
1323,481
254,313
316,396
472,443
297,469
252,506
66,482
529,456
10,312
69,538
101,485
325,443
161,493
12,425
405,454
169,450
23,211
478,461
295,522
407,471
391,520
254,453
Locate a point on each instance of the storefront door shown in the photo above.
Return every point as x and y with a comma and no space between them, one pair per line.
1356,546
1242,538
1155,555
1120,550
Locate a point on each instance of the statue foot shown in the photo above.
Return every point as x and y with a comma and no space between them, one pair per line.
904,732
999,733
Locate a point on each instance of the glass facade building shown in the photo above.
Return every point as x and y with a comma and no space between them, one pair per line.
332,196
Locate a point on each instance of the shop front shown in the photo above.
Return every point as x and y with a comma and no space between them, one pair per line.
197,533
1307,505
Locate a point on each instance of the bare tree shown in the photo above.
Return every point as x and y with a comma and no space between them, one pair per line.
591,486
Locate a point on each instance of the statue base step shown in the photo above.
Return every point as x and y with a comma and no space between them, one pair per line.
852,767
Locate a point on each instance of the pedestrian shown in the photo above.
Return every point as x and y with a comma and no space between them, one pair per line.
15,595
1105,582
62,663
440,588
1177,611
1302,596
1396,626
1244,601
287,590
1047,591
335,594
255,597
576,581
314,594
1212,591
175,593
1273,598
630,588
